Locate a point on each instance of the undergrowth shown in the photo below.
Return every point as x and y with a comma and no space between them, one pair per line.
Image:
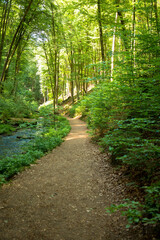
52,129
125,121
6,128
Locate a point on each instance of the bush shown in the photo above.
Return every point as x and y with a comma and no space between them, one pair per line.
134,142
72,110
147,213
45,141
18,108
6,128
126,121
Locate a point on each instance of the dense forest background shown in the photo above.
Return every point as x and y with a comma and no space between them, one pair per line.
50,50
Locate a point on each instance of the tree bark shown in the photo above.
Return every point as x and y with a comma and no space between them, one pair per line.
100,30
125,38
133,36
50,78
72,72
14,44
3,25
113,47
55,81
156,16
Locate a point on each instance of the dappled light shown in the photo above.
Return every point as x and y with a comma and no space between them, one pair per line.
70,72
75,136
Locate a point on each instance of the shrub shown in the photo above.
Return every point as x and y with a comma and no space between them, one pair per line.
124,117
147,213
6,128
45,141
72,110
18,108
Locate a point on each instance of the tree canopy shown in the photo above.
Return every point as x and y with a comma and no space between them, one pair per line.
53,49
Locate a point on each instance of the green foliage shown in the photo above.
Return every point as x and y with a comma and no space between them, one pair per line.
136,212
12,165
72,110
46,111
134,142
16,108
47,144
126,121
152,205
51,136
6,128
123,114
2,179
131,209
27,124
81,108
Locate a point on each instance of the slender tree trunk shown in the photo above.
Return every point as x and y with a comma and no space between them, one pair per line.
124,32
55,81
14,44
17,68
113,47
3,25
77,81
71,64
50,78
72,74
133,41
100,30
147,17
55,59
57,86
151,16
156,16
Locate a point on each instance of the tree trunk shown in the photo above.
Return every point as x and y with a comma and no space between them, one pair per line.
55,81
50,78
72,74
133,36
100,30
156,16
124,32
57,85
3,25
113,47
15,41
17,68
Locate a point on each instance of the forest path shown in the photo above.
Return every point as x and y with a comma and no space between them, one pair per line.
64,195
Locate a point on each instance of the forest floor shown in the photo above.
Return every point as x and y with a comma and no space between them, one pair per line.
64,195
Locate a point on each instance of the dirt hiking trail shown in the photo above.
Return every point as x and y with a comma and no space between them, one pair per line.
64,195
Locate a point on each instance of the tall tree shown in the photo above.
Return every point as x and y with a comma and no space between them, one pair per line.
113,46
17,37
100,29
5,11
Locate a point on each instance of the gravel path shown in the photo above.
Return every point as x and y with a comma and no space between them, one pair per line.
64,195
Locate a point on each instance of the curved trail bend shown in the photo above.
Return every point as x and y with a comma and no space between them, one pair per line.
64,195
